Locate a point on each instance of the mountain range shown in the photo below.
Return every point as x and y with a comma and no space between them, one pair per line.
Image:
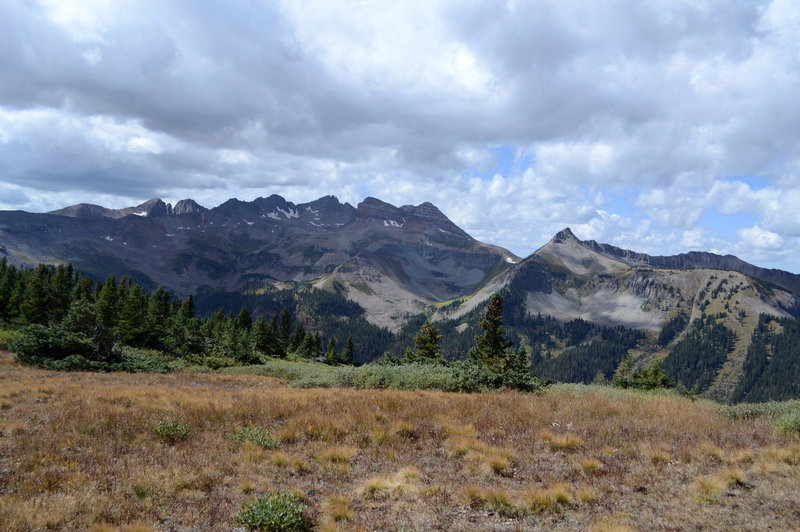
399,263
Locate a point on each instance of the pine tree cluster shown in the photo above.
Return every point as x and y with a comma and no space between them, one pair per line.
64,315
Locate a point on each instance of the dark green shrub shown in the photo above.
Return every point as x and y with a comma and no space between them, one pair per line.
277,511
256,435
171,431
37,345
73,363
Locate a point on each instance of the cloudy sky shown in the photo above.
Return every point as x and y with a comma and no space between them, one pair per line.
658,126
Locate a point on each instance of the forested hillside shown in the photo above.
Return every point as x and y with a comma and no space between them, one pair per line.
56,317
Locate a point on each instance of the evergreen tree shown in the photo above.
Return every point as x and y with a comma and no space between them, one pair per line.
297,338
81,318
243,321
58,293
494,353
17,290
515,370
427,345
34,305
285,325
7,282
106,302
624,372
308,347
649,378
266,340
492,349
330,355
317,346
82,289
347,354
105,308
187,308
217,323
158,307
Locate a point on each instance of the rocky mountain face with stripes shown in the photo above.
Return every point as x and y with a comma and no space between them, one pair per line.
393,260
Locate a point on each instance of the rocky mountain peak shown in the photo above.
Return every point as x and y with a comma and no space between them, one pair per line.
565,235
375,208
153,207
188,206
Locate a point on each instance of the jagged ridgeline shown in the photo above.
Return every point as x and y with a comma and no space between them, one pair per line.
375,273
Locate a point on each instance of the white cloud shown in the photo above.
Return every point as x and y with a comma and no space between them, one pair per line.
673,106
759,238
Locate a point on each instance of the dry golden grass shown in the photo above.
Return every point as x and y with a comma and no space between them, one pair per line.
337,508
78,452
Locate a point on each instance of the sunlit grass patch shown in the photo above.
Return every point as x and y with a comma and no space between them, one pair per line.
404,429
338,454
552,498
493,499
709,488
564,442
499,463
587,494
590,465
712,450
402,482
337,508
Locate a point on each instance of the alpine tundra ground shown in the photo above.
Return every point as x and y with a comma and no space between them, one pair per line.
83,451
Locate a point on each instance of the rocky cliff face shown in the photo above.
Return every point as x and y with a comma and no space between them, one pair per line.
402,257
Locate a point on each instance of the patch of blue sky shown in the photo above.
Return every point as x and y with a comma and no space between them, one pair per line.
755,182
507,161
725,225
619,204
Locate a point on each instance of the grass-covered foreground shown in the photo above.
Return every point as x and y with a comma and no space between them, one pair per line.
187,451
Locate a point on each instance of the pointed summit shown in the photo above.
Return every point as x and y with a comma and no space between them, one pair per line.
565,235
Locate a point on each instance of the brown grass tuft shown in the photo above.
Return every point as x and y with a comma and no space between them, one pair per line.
337,508
338,454
566,442
590,465
403,482
552,498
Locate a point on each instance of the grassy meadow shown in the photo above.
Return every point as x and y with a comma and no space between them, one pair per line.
185,451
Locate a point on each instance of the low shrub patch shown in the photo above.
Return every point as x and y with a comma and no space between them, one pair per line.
171,431
256,435
277,511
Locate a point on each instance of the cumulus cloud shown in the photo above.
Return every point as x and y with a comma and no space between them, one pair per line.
671,106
